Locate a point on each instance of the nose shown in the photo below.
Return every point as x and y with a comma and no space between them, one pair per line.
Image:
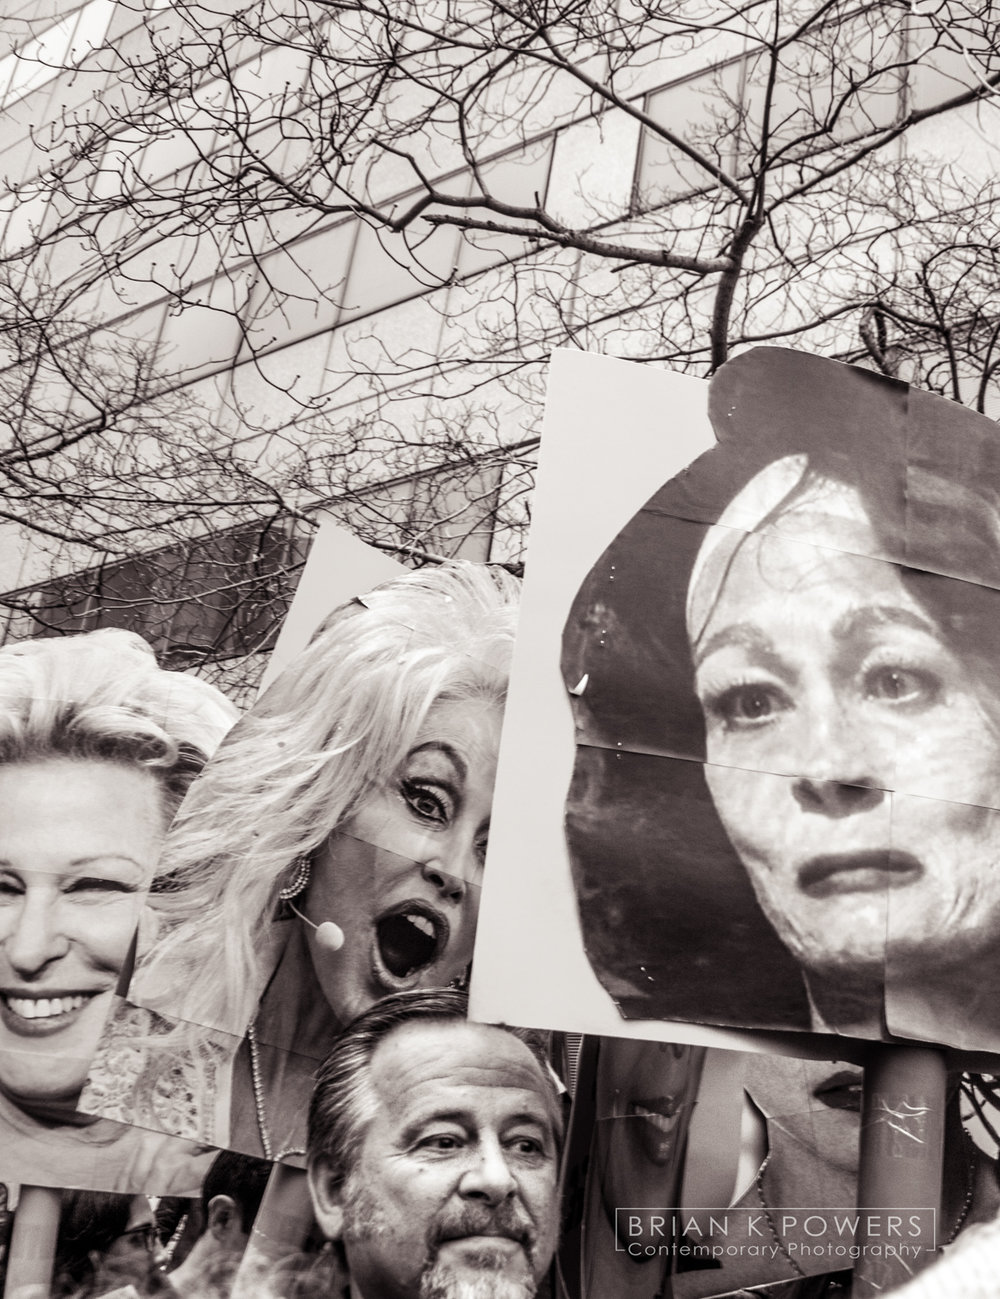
488,1178
842,772
451,887
37,938
836,798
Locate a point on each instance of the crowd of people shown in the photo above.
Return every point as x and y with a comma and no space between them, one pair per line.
440,1166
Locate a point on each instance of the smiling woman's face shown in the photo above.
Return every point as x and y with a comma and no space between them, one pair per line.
78,844
402,877
849,755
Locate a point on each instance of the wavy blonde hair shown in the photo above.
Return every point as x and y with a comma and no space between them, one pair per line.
332,727
101,696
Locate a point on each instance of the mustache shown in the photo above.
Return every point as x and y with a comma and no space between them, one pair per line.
508,1219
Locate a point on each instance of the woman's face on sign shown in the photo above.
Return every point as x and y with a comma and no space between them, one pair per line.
645,1096
402,877
849,753
79,840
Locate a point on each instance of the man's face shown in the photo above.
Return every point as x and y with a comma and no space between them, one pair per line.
453,1195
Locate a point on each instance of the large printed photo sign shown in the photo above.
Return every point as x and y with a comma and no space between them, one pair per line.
696,1173
98,748
782,809
330,855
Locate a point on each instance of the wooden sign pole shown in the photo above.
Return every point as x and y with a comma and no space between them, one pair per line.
33,1243
901,1169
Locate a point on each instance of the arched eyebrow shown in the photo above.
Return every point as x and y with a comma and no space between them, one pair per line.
872,617
850,625
78,863
533,1119
442,746
746,636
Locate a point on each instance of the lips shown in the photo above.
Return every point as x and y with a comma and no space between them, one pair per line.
858,872
657,1132
506,1222
36,1016
409,938
485,1233
841,1091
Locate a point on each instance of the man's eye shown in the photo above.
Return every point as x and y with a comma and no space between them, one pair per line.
427,803
528,1146
441,1141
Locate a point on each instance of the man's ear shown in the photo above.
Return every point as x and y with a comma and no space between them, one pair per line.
326,1192
224,1221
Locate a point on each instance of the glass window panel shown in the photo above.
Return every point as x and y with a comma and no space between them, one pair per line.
388,268
454,514
298,288
519,178
833,85
91,28
703,111
201,337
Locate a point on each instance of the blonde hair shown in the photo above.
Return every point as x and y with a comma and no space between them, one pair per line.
101,696
333,726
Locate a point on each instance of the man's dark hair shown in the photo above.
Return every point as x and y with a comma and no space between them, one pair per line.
242,1178
342,1102
90,1222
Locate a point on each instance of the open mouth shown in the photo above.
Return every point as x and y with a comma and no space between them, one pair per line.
658,1130
841,1091
409,939
35,1016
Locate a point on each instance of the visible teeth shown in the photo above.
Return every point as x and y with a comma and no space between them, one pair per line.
422,923
663,1122
44,1007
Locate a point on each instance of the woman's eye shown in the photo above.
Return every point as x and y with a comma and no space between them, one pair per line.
748,705
96,886
899,685
10,888
426,803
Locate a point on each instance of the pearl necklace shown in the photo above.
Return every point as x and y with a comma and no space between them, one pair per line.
258,1100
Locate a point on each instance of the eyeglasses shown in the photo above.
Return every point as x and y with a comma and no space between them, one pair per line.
144,1235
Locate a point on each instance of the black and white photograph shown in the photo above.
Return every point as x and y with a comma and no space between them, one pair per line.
825,649
784,787
659,1131
331,854
99,746
498,530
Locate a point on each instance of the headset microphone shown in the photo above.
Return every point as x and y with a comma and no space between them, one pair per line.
328,934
